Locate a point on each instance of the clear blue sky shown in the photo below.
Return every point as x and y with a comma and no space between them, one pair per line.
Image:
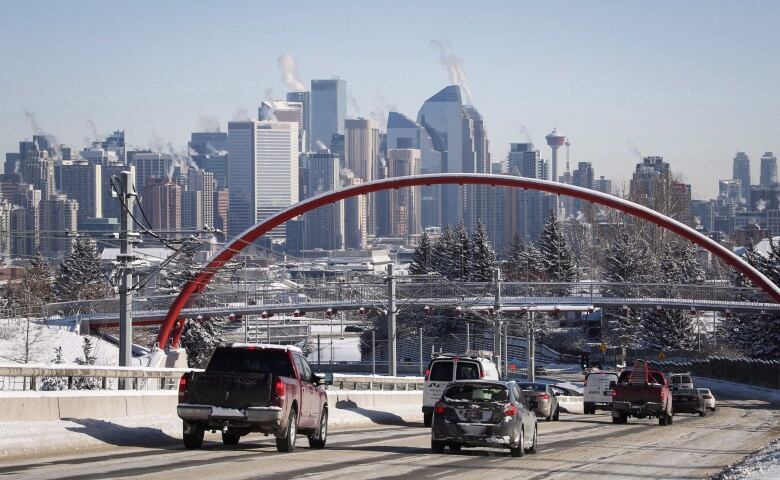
693,81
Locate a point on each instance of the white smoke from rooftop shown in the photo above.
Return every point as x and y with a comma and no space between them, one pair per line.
320,146
761,205
93,129
633,150
183,160
241,115
208,123
454,66
34,125
526,134
266,111
353,103
286,63
380,111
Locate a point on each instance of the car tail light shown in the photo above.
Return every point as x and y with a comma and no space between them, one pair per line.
510,410
427,374
545,397
182,388
280,389
708,397
439,408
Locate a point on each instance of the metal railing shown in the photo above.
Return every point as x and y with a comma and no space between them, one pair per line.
20,377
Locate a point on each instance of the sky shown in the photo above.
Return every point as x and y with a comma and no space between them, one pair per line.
692,81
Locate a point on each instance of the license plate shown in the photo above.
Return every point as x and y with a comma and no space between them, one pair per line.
226,412
473,415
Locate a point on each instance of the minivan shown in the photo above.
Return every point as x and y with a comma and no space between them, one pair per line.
447,367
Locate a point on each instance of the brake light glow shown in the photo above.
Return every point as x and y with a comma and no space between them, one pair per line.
510,410
439,409
545,397
427,374
280,389
182,388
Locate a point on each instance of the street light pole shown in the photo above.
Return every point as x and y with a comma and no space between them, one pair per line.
125,259
496,319
391,339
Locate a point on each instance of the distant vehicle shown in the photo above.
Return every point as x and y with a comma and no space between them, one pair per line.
680,380
542,400
688,400
569,400
447,368
642,392
540,370
598,391
709,398
254,388
353,329
479,413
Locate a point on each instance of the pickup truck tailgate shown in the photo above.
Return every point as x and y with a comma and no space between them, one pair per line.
638,393
230,390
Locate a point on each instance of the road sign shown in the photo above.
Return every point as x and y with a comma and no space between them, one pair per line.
603,347
661,356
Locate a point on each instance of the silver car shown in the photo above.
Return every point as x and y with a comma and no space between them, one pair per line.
481,413
542,400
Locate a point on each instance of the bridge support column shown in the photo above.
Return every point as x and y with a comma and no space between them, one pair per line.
391,337
497,319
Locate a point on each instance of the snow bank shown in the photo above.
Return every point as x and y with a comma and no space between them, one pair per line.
762,464
45,338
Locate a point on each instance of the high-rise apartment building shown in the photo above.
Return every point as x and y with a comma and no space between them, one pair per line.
324,225
209,151
404,212
652,185
304,98
203,182
262,172
741,172
328,110
83,182
603,185
38,170
59,215
149,165
162,203
768,170
355,218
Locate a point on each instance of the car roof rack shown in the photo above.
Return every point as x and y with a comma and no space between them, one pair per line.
468,354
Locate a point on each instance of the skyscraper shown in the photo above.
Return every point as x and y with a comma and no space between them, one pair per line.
262,172
324,225
404,202
403,132
355,218
361,152
741,172
768,170
162,203
209,151
149,165
304,98
83,182
328,110
285,111
203,182
59,215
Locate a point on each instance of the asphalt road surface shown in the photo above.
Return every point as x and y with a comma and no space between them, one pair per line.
578,446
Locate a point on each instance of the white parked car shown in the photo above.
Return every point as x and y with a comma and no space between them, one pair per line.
448,367
678,381
598,391
709,398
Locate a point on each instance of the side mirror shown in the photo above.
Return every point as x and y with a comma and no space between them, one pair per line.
328,380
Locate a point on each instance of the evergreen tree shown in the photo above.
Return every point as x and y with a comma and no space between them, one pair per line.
89,358
79,276
55,383
421,259
179,271
441,253
199,340
482,258
462,253
556,257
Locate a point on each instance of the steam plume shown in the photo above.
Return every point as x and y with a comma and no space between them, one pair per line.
524,132
454,66
241,115
266,111
36,128
92,128
633,150
286,64
353,103
208,123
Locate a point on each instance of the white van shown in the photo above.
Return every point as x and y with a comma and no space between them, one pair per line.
447,367
679,381
598,391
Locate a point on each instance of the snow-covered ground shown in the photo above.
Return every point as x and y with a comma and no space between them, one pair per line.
43,339
760,465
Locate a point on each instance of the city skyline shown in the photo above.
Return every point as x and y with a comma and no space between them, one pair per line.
563,69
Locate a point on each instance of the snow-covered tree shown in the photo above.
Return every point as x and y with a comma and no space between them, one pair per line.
88,358
442,254
462,253
55,383
422,257
556,256
173,276
199,340
483,258
34,288
523,261
80,276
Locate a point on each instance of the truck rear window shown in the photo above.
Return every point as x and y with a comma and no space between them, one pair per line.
467,371
681,379
275,362
441,371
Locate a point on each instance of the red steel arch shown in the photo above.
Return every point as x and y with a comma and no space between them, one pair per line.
198,283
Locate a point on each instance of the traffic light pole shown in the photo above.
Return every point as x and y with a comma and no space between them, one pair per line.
125,259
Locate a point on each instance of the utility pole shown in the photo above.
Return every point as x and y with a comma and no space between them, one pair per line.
468,337
391,340
497,319
125,259
373,352
421,352
531,349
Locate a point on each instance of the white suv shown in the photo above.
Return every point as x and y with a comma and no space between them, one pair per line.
447,367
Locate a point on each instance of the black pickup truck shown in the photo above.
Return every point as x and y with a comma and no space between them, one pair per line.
254,388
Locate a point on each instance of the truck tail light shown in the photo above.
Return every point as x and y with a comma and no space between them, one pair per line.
439,408
280,389
510,410
545,397
482,374
613,393
182,388
427,374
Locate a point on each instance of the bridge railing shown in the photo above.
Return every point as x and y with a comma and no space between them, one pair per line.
40,377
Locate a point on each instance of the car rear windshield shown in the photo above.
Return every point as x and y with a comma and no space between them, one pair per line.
477,393
245,360
533,387
681,379
441,371
467,371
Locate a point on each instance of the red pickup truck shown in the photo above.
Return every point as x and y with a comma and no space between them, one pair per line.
641,393
254,388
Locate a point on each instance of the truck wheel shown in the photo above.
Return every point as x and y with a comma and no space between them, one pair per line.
518,452
589,409
664,419
287,444
230,438
318,437
427,419
192,433
437,447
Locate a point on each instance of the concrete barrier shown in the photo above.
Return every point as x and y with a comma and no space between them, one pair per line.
103,404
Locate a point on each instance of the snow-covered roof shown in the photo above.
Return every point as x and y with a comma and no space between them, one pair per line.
763,248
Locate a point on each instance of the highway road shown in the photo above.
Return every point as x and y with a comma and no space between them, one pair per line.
576,447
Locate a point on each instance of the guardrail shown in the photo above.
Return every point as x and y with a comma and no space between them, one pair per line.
18,377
